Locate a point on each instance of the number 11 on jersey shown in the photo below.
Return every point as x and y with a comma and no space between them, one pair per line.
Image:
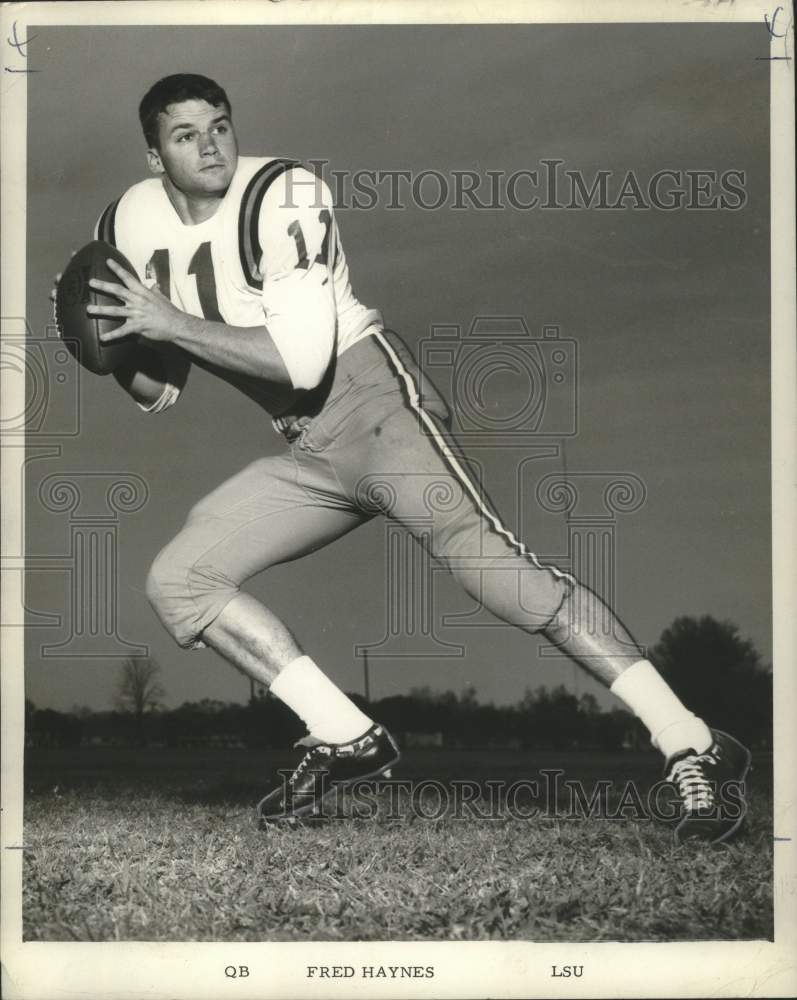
201,267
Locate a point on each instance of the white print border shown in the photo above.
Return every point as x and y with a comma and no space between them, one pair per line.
507,969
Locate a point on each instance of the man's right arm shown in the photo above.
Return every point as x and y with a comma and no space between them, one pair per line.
157,372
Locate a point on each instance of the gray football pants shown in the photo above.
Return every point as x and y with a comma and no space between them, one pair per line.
378,445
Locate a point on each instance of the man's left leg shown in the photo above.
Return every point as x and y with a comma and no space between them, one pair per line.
699,761
702,763
613,656
497,570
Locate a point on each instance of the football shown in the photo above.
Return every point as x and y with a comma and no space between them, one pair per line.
80,331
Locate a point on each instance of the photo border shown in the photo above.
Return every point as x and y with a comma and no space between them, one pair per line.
463,969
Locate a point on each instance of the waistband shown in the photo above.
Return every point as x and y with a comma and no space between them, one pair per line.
341,373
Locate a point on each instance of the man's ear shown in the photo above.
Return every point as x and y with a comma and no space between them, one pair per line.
154,161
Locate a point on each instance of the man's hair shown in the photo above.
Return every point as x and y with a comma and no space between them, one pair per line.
172,90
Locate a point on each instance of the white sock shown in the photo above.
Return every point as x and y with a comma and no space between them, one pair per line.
672,726
323,707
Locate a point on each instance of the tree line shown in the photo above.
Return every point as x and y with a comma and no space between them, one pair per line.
717,673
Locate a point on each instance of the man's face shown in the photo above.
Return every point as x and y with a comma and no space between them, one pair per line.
198,149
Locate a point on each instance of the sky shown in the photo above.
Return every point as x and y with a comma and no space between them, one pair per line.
669,312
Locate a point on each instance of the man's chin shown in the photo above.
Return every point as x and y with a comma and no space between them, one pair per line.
215,181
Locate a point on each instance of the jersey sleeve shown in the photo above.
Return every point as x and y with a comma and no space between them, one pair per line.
298,237
105,229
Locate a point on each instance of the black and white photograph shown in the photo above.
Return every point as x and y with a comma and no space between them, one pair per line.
398,445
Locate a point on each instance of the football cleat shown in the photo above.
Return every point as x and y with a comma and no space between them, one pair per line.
326,767
711,789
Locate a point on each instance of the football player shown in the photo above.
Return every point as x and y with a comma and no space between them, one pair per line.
244,274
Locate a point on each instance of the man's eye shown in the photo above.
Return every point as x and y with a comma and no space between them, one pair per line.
221,129
184,136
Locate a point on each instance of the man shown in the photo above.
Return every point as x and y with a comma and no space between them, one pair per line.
243,273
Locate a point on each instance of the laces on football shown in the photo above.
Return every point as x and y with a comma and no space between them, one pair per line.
693,786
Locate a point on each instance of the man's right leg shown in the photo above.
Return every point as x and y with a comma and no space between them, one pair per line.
259,518
253,639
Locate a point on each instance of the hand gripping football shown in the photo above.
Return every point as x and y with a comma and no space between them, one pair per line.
80,331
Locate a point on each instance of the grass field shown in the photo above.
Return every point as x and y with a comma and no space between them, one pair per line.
159,844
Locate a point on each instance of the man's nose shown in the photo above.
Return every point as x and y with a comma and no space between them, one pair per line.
207,144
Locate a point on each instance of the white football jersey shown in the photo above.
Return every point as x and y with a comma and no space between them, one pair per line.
270,254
